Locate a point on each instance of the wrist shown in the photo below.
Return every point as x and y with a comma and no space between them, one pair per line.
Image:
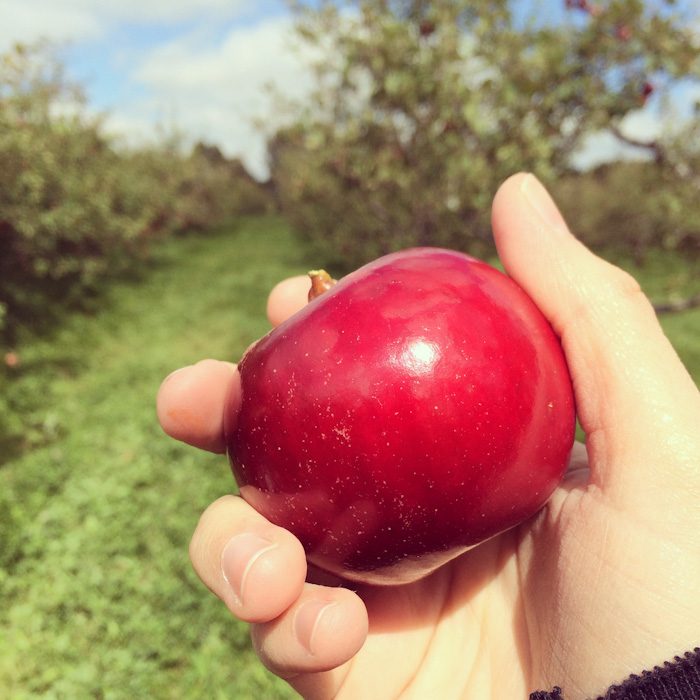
675,680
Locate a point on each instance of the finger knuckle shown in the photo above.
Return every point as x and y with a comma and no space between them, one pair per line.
625,286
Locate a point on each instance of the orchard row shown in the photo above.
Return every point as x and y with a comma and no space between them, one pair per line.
76,206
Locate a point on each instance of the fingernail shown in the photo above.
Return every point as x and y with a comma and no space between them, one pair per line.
238,558
543,204
306,621
170,376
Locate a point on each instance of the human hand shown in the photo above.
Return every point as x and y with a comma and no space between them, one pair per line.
603,582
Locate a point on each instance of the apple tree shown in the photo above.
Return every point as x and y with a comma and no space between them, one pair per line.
77,205
423,107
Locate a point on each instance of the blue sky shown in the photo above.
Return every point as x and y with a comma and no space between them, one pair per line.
198,65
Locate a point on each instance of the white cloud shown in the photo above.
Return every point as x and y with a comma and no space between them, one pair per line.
236,68
160,10
216,92
42,19
80,20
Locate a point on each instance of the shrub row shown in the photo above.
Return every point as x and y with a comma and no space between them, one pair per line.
75,206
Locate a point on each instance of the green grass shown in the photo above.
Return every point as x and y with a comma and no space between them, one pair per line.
97,505
97,596
668,276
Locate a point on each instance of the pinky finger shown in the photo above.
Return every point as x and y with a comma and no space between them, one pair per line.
321,632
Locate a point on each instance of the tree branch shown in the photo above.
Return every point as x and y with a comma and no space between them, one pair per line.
660,155
654,146
678,305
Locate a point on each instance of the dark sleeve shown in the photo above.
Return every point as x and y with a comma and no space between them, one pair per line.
675,680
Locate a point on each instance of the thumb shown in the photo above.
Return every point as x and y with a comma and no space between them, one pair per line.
636,402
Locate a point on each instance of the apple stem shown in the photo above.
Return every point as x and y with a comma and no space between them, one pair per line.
321,282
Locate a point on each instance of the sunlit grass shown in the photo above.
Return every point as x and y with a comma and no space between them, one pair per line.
97,596
668,276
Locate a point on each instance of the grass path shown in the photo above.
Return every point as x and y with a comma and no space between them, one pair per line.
97,596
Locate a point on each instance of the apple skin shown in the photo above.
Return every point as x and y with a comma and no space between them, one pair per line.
419,407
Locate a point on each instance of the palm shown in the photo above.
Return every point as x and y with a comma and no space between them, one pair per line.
469,619
536,607
465,620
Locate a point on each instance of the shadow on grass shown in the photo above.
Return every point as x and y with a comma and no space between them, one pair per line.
51,333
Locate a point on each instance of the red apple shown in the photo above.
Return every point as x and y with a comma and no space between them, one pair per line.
419,407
